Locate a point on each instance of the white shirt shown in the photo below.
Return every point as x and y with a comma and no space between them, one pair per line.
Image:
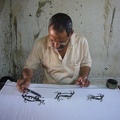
56,69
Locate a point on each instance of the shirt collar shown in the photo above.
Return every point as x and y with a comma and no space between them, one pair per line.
72,39
48,41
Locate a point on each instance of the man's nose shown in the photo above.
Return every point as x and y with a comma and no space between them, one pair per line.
56,44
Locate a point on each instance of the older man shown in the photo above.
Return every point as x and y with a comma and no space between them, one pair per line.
64,55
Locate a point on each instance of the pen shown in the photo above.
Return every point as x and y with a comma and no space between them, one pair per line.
29,90
85,78
33,92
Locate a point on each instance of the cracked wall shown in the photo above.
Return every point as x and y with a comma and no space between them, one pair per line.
24,22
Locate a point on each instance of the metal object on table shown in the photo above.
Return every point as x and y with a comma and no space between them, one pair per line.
33,92
112,83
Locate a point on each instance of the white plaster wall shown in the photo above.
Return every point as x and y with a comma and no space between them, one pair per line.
22,22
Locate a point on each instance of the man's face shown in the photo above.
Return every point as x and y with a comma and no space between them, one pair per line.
59,40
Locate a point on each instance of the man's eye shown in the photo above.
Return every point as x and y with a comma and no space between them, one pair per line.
51,40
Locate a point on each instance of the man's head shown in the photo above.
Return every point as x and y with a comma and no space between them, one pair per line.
60,30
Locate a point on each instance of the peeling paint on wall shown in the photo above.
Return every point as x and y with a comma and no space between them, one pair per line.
111,25
15,27
36,35
106,15
40,6
108,29
13,50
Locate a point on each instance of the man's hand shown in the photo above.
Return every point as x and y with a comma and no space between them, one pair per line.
22,84
82,81
25,81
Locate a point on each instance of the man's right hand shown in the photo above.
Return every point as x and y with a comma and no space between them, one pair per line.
22,84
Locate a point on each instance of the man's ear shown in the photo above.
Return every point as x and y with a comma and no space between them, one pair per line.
71,33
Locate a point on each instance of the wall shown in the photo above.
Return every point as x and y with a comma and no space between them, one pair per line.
22,22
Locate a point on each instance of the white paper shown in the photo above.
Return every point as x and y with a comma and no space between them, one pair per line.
14,107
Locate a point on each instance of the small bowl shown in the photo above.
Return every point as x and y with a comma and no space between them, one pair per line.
111,83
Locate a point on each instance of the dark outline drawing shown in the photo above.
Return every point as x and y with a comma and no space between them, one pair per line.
31,98
66,95
98,97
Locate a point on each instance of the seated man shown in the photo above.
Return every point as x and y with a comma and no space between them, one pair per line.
63,54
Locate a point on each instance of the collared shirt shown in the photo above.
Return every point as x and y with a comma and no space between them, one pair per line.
56,69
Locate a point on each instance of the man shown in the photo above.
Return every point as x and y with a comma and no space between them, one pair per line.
64,55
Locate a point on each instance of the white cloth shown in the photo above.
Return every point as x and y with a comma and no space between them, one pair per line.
13,106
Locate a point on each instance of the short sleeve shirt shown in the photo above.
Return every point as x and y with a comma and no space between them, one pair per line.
56,69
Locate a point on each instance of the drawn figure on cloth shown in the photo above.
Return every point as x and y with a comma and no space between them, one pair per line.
61,95
32,98
98,97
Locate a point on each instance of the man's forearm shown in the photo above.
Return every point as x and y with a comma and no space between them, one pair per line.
84,71
27,73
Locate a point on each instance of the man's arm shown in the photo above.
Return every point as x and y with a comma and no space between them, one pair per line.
27,73
84,71
24,82
83,78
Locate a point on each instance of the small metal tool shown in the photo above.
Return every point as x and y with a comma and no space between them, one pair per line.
33,92
29,90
